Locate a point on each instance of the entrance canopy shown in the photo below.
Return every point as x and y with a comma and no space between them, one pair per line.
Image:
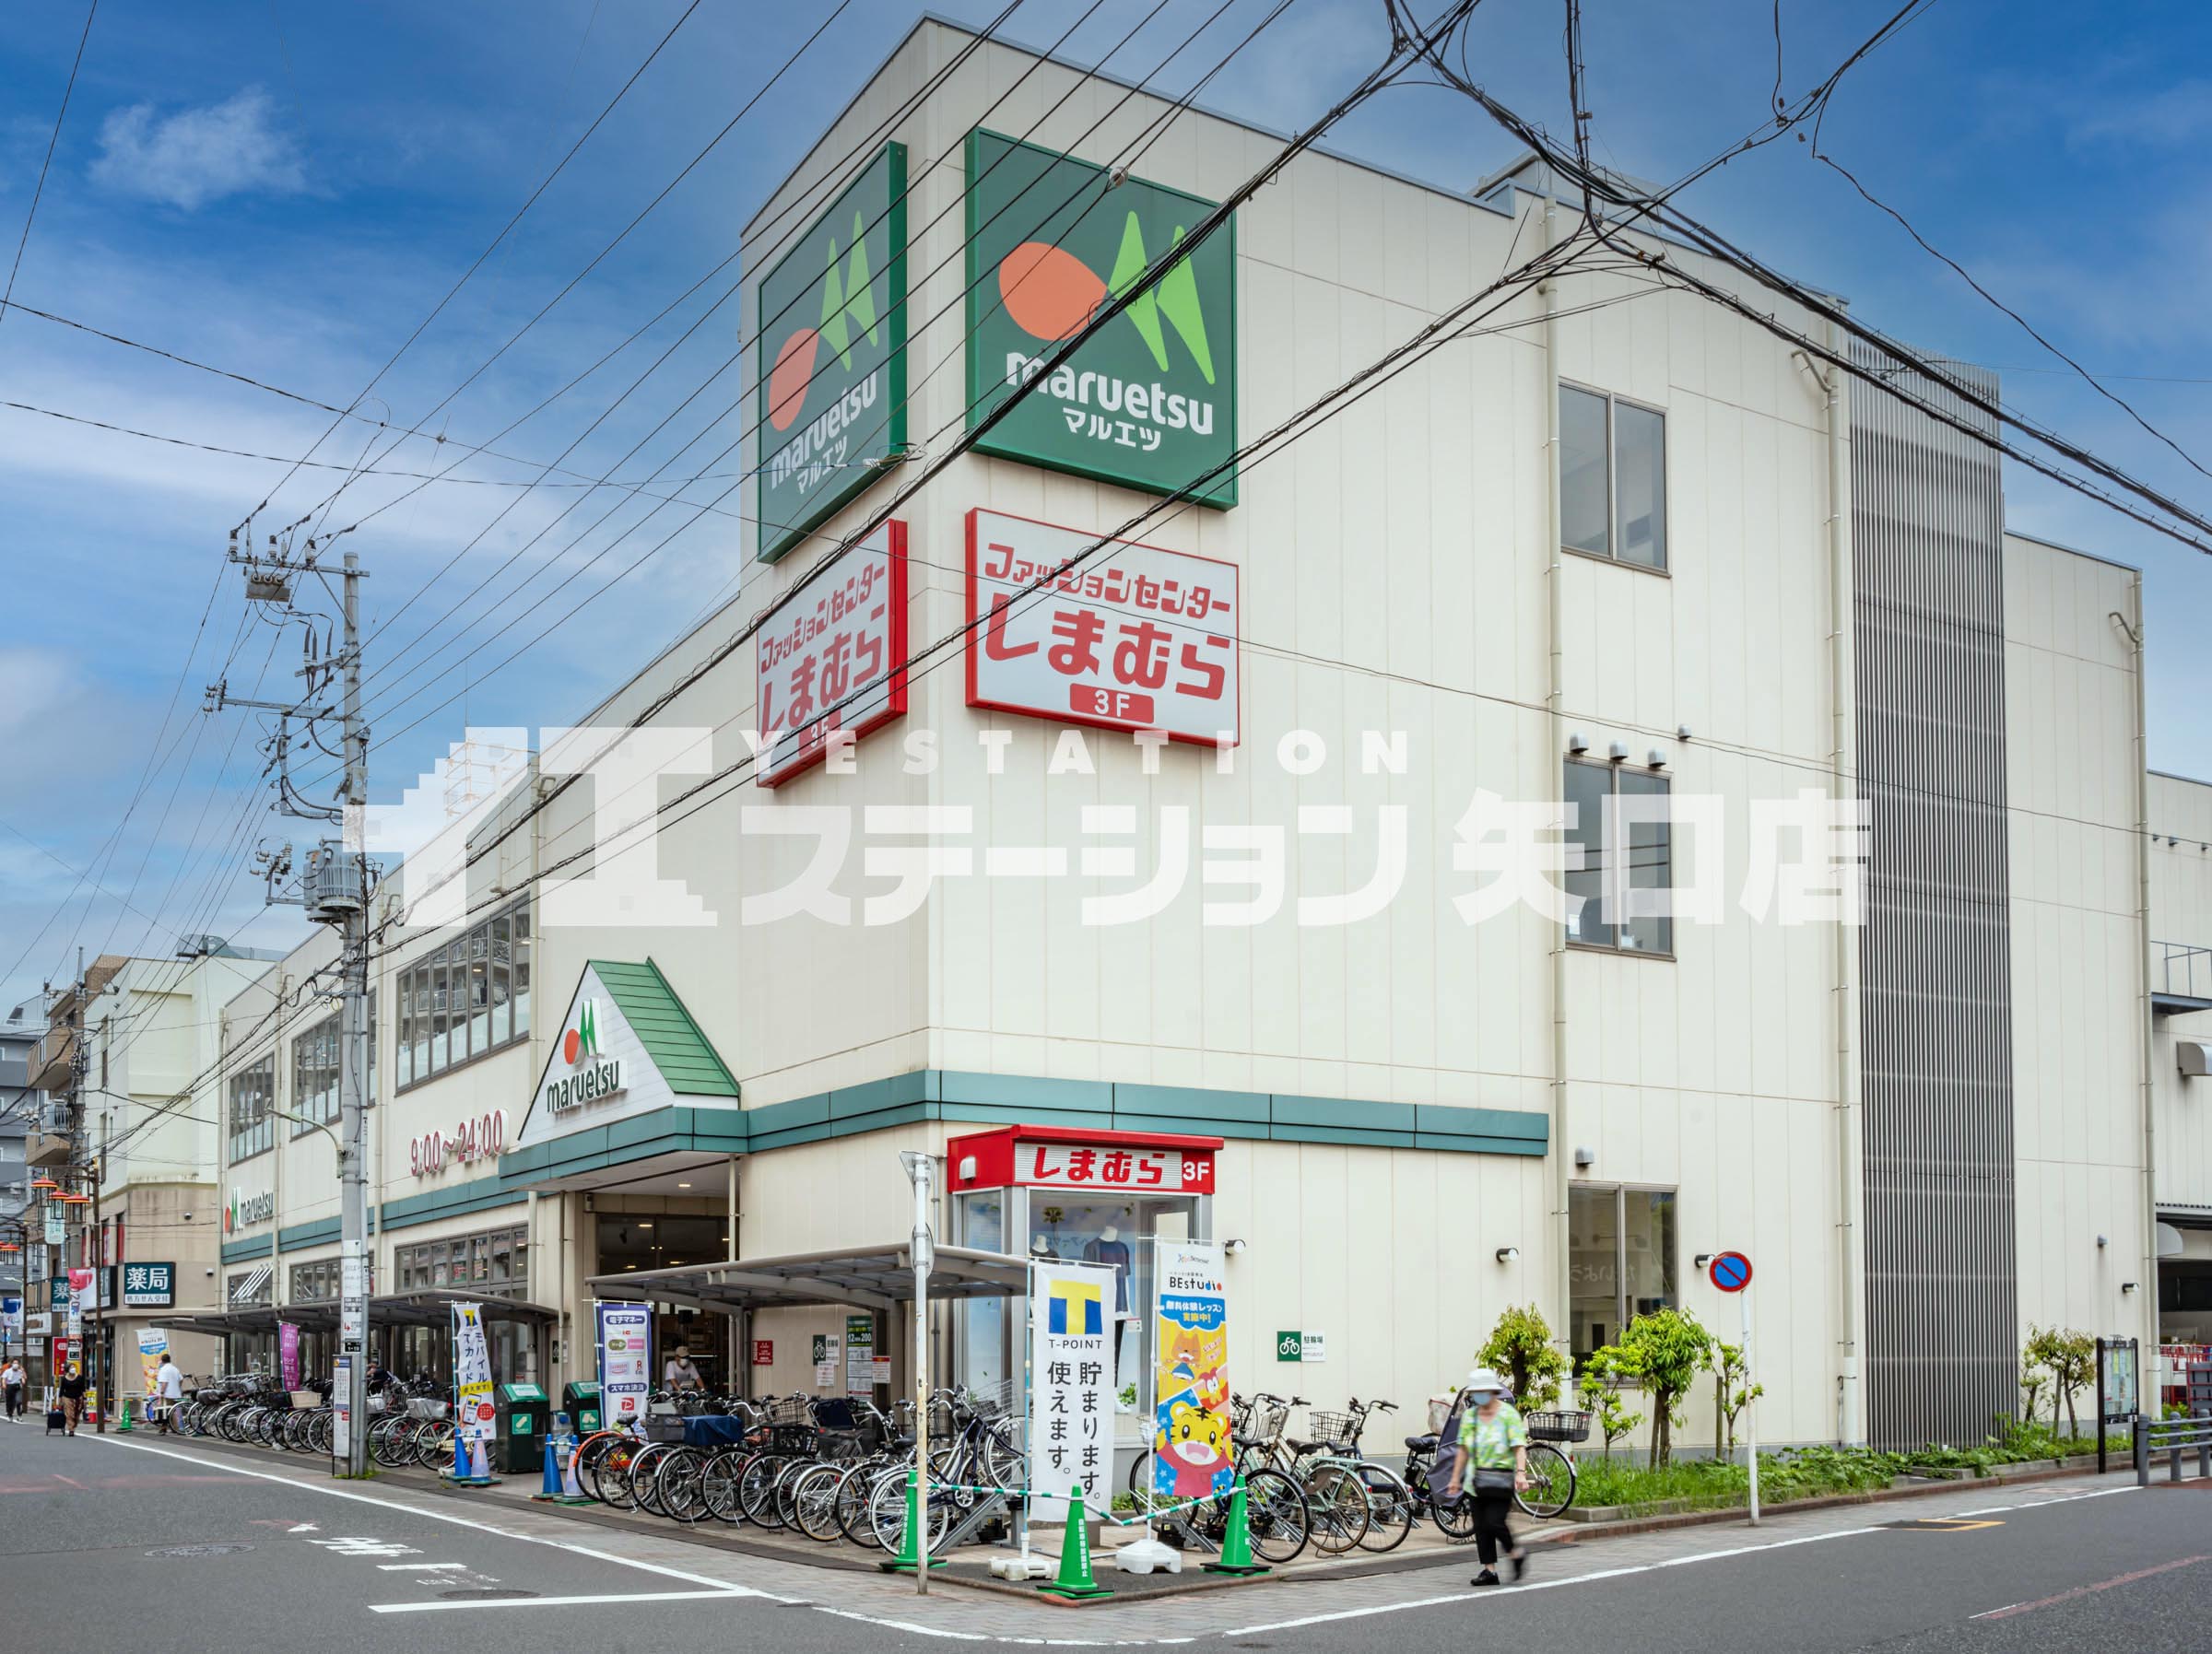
865,1277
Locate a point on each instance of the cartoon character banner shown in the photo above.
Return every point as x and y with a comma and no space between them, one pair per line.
1192,1455
1071,1366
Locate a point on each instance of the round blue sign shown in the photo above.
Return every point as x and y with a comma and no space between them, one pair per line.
1731,1271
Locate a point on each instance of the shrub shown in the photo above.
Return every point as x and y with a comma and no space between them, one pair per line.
1603,1399
1666,1349
1521,1348
1730,1394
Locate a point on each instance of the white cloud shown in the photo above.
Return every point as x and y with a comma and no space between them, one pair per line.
199,154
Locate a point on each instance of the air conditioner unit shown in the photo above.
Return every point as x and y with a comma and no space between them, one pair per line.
2194,1056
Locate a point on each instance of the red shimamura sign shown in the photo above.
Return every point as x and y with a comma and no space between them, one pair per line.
1137,638
835,659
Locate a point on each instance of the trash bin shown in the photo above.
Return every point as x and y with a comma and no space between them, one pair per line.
580,1400
519,1424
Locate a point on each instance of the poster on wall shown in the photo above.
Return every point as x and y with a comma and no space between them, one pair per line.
860,1355
834,659
288,1355
1150,399
1071,1366
1191,1456
472,1374
1137,638
624,1335
830,329
153,1350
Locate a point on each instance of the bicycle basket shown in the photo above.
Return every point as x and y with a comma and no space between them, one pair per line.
1264,1424
665,1426
991,1401
427,1407
791,1410
1333,1429
1557,1427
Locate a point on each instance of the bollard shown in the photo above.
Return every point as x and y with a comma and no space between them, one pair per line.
2142,1452
2173,1463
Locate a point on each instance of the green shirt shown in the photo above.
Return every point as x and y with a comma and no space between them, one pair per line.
1490,1442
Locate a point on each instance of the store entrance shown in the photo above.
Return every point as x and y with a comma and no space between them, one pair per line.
633,1242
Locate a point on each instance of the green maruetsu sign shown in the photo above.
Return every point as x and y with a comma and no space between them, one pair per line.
1150,401
829,325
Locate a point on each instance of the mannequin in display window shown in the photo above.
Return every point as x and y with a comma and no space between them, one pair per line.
1111,1251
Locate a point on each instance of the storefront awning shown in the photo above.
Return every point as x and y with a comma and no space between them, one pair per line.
866,1278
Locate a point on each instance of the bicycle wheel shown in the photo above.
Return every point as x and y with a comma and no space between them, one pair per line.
887,1513
433,1441
1276,1514
1389,1508
1551,1482
1140,1483
678,1484
850,1501
718,1485
591,1453
615,1491
386,1443
814,1501
1336,1508
1005,1466
1455,1521
785,1486
646,1477
325,1424
756,1489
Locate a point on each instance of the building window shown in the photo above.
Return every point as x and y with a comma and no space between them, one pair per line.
1620,1250
465,998
314,1283
496,1264
252,1096
1612,478
1620,893
315,1072
250,1289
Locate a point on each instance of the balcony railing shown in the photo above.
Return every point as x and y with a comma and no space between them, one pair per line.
2180,968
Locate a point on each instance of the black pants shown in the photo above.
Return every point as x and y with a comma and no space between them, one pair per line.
15,1400
1491,1535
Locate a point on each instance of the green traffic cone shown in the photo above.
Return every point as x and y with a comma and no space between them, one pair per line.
122,1423
1075,1580
909,1543
1236,1544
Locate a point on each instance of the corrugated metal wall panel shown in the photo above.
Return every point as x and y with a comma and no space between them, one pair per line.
1936,963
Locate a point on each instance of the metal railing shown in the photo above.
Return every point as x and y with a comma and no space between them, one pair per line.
2172,1437
2183,969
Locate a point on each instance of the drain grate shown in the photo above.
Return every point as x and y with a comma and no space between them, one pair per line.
499,1595
217,1550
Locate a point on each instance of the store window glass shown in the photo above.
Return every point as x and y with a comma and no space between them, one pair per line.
985,1354
467,998
1621,1257
1623,831
1586,497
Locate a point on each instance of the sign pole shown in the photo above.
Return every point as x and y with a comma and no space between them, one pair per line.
921,1170
1751,1412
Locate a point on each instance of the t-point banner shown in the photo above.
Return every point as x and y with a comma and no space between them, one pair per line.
829,326
1150,401
473,1407
836,662
624,1334
1191,1456
1137,638
1071,1366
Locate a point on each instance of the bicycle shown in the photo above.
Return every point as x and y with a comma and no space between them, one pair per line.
1551,1474
1277,1516
1390,1502
979,1452
1336,1500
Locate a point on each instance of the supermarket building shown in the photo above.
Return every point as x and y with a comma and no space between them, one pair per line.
1736,586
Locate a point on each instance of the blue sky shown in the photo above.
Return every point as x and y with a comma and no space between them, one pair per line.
284,190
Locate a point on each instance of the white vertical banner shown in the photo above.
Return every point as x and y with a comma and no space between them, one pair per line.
1070,1403
472,1373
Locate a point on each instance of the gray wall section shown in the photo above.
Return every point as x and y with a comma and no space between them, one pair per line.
1935,961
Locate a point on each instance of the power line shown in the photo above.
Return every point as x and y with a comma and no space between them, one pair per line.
38,191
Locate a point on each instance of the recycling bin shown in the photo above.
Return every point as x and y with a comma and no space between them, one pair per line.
580,1400
521,1416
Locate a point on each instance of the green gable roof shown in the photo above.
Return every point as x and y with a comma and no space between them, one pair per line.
687,1061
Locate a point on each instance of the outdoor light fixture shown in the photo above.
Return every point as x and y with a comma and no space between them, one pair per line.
2127,1287
1233,1248
1578,742
1655,758
1585,1157
2102,1243
1681,732
1617,752
1702,1260
1507,1254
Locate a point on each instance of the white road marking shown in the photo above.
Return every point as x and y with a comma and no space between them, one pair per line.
652,1596
393,1567
720,1587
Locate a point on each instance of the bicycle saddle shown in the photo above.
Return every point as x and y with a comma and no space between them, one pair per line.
1420,1444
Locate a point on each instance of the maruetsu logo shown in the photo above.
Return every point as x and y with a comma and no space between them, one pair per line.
593,1076
848,313
1051,294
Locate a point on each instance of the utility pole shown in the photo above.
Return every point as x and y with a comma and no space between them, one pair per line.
335,887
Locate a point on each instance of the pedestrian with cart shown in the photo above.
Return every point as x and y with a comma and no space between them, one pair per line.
1492,1462
73,1389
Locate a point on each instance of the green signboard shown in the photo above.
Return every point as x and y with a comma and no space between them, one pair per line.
829,334
1150,402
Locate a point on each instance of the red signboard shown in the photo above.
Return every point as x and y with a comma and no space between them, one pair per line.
764,1352
835,659
1136,638
1109,1162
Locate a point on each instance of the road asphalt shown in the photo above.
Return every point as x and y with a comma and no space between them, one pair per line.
140,1543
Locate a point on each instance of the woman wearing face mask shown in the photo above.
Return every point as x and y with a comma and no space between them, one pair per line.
1495,1442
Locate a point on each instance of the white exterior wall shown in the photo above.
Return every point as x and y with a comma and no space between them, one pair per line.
2071,698
2181,919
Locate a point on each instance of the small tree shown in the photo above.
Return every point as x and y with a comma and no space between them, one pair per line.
2073,1364
1603,1401
1666,1349
1522,1348
1731,1395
